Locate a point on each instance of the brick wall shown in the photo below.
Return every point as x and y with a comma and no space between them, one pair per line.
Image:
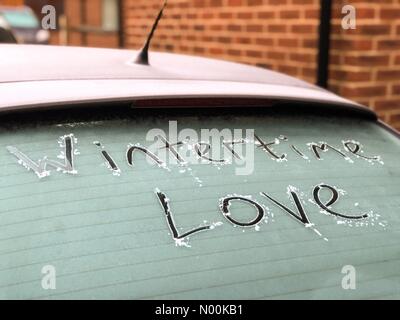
282,35
366,61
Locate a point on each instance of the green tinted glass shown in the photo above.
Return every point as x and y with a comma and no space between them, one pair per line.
108,230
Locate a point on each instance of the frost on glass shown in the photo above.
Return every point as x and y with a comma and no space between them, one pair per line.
109,161
279,149
40,167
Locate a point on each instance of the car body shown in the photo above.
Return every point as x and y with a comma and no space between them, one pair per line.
24,25
124,197
108,70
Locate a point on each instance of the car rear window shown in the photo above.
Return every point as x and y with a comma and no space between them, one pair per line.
121,216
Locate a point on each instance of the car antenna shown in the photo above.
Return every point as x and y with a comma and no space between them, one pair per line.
143,56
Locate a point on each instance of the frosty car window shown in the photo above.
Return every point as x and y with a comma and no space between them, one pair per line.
204,152
134,195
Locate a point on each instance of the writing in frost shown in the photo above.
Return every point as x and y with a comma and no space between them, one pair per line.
262,213
202,152
66,164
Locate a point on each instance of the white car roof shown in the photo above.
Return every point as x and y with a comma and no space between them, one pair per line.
34,76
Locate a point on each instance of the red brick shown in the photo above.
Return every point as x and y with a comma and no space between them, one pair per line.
390,13
396,89
352,44
275,55
303,1
305,57
266,14
387,104
290,14
388,75
367,60
254,53
307,29
366,91
243,40
310,43
216,3
264,41
279,28
288,42
234,52
365,13
254,28
254,2
395,118
371,29
233,27
389,44
226,15
277,1
360,76
309,72
235,3
312,14
216,51
245,15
